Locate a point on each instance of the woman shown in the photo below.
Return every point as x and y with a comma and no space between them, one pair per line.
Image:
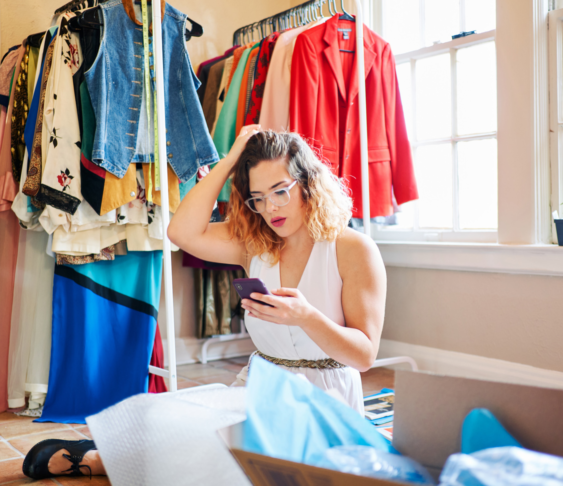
287,225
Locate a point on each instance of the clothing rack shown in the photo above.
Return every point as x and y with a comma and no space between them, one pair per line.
364,159
301,10
298,15
170,373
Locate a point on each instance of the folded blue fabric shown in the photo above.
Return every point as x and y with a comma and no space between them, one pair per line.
290,418
481,430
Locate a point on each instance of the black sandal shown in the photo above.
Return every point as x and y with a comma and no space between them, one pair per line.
36,463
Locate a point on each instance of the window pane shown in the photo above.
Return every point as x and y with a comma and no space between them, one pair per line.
401,25
441,20
476,89
433,102
404,78
405,216
480,15
478,192
433,168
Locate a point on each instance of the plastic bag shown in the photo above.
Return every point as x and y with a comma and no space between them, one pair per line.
503,466
367,461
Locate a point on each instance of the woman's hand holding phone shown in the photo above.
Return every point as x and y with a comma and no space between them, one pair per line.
284,306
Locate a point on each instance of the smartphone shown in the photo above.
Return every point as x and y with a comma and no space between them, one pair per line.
246,286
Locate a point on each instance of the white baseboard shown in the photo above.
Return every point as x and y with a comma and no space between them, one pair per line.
470,365
188,350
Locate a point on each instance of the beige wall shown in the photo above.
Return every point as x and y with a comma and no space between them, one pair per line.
515,318
220,18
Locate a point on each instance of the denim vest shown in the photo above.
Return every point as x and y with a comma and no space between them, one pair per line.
115,83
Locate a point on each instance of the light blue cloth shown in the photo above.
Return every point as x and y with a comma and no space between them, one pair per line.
187,186
292,419
481,430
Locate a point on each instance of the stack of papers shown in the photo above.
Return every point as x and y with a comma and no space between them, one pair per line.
380,406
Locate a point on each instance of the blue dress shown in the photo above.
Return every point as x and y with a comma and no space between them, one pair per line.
104,323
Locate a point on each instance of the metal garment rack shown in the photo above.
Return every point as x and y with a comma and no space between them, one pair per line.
364,157
170,373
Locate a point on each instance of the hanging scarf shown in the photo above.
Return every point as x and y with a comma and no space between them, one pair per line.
130,10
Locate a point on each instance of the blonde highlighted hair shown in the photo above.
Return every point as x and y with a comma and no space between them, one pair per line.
328,205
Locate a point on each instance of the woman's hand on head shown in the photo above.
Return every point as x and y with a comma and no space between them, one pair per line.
240,142
290,307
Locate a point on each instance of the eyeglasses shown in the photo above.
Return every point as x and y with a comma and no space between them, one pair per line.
279,197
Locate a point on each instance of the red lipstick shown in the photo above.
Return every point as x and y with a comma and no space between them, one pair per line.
277,222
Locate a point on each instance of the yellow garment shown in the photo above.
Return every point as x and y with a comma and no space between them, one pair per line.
118,192
32,71
173,187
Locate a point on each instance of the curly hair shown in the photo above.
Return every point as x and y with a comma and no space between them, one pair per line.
328,204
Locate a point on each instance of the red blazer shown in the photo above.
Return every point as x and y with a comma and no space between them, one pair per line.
324,110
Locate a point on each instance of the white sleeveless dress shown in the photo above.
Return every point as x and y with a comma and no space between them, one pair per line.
321,285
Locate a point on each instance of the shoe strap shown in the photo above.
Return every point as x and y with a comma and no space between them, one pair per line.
75,466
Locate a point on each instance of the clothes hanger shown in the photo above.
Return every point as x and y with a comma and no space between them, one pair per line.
345,15
91,19
332,14
69,6
34,40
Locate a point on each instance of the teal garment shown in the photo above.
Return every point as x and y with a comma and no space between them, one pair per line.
187,186
225,193
225,130
481,430
292,419
134,282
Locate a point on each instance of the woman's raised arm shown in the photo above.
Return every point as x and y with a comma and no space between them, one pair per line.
190,228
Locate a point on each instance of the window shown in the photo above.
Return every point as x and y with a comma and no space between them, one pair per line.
449,95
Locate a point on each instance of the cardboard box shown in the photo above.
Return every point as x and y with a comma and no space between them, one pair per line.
429,412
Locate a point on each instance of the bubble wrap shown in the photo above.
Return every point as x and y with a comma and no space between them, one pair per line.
170,439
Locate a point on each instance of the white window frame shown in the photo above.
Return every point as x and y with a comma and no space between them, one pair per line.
556,110
524,231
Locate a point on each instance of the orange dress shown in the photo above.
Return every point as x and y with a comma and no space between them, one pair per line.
244,88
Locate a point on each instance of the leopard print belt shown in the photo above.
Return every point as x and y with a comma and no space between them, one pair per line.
321,364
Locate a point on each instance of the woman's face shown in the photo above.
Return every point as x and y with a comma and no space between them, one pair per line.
267,177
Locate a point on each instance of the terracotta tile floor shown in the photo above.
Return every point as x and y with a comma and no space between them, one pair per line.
19,434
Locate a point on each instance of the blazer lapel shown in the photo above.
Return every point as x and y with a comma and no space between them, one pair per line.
332,53
369,60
